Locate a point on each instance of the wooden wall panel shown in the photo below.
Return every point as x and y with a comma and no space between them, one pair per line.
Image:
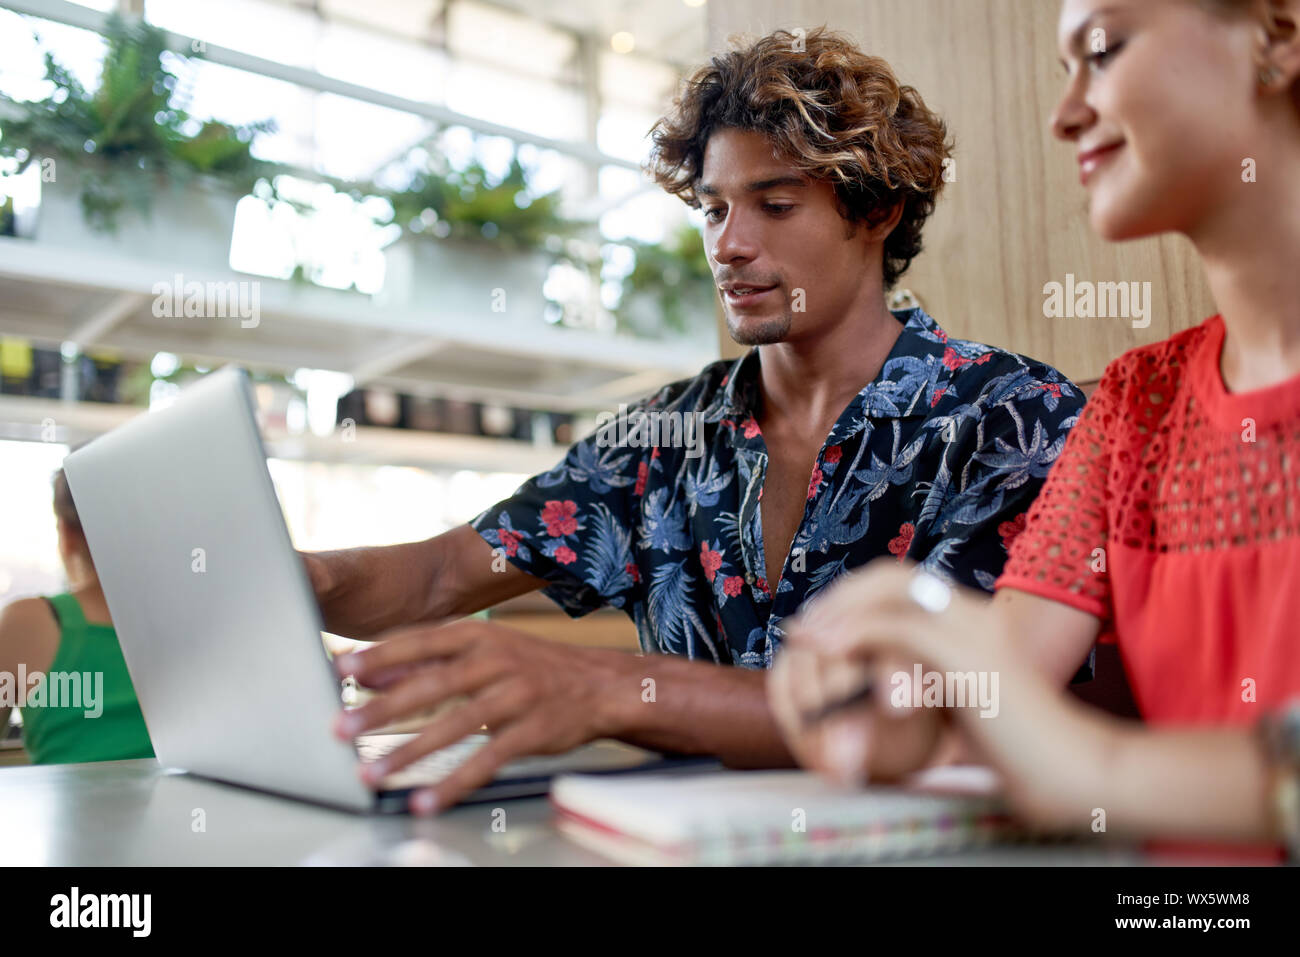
1015,218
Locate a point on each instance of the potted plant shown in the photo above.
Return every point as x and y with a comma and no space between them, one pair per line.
117,162
670,290
470,246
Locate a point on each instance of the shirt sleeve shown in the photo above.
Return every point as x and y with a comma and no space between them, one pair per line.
1062,553
574,525
993,475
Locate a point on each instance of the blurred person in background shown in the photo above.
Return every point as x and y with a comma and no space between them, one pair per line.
71,635
1169,523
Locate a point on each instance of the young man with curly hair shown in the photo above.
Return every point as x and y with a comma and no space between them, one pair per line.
849,432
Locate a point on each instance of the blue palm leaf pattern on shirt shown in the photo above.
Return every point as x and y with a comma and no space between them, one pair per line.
935,459
602,469
663,523
677,624
608,551
824,574
1025,460
704,486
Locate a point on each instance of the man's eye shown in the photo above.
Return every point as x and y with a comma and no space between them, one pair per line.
777,208
712,214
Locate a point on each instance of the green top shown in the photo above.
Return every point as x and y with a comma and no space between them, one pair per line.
77,715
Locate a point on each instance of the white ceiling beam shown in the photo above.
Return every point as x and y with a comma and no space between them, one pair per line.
394,357
72,14
105,318
637,385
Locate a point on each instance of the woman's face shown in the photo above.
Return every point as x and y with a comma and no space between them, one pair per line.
1159,102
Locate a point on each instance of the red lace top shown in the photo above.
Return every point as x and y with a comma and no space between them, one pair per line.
1173,516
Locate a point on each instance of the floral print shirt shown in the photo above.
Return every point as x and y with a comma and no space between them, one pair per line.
936,460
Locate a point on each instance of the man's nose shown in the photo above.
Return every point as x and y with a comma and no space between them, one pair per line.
735,241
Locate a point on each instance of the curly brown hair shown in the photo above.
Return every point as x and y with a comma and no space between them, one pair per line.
832,112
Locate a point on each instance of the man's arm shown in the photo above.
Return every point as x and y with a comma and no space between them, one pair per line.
365,591
695,707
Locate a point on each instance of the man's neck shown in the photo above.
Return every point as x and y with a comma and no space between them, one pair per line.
807,383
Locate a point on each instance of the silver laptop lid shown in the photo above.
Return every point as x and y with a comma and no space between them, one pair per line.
215,613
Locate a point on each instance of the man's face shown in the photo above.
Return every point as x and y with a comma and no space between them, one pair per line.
779,238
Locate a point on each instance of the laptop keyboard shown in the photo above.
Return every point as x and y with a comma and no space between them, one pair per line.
429,769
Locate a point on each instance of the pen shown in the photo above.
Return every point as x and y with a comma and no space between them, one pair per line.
863,693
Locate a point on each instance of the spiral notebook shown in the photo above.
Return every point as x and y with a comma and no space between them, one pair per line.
778,817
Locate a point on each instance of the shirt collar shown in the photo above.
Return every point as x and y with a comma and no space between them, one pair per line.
921,337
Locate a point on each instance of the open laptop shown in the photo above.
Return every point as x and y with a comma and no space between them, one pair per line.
218,622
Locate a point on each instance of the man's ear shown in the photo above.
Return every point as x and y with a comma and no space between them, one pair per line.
883,222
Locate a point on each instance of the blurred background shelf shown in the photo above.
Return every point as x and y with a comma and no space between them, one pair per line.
106,302
23,418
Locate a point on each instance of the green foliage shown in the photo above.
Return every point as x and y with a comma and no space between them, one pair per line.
465,204
132,135
670,270
134,123
6,216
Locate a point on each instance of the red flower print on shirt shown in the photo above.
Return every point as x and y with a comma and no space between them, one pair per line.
510,541
955,362
833,455
751,428
898,546
1051,388
565,555
733,586
710,560
632,570
938,394
560,518
761,585
1009,530
642,473
815,482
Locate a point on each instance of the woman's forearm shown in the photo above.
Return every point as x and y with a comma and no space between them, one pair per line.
1210,784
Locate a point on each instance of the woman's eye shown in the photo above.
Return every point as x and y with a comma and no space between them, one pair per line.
1102,57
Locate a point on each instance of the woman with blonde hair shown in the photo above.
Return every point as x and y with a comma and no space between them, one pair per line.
1169,524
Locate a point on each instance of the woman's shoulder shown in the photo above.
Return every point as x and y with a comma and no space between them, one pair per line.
1157,369
28,628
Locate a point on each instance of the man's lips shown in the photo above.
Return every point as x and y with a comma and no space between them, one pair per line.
1090,160
750,296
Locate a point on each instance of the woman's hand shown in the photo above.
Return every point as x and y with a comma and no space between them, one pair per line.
888,607
883,624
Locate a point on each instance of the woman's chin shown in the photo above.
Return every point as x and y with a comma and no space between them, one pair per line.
1116,223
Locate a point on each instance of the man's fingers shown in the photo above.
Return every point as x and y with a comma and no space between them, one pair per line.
385,678
412,644
442,733
512,741
421,691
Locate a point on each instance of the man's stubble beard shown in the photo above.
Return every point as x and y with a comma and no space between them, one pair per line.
764,333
